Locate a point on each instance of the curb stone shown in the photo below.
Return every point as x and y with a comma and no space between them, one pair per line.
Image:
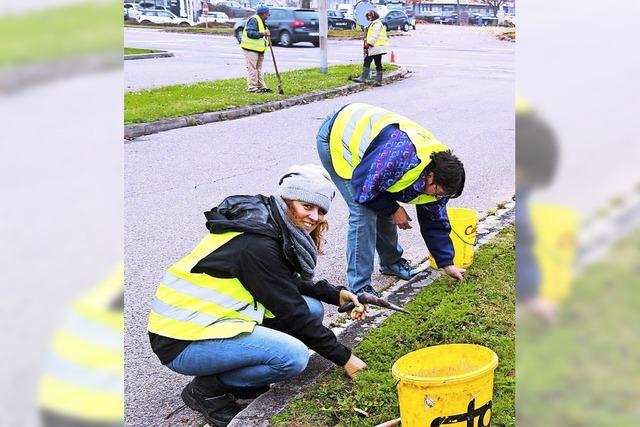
163,54
140,129
258,412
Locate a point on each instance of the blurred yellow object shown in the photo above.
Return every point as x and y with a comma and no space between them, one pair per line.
83,380
464,224
555,230
446,384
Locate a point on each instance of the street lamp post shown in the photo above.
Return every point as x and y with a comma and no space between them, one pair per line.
324,29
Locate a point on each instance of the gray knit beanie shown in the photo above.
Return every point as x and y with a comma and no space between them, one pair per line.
308,183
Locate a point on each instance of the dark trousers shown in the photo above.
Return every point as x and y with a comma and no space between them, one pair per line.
376,58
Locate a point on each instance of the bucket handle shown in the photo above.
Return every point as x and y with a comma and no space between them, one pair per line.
475,240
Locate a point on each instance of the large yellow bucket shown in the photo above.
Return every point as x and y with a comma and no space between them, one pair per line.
446,384
464,225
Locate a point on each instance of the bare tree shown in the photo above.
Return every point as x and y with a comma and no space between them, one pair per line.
494,5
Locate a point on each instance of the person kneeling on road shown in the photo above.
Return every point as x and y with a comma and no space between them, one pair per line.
378,158
240,310
254,43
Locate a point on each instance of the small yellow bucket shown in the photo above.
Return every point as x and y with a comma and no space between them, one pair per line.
464,225
446,384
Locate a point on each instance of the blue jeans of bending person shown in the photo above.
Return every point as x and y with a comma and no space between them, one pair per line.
368,231
262,357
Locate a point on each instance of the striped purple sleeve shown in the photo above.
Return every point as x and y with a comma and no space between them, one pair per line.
384,166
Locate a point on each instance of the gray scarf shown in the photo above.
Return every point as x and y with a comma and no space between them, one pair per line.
304,247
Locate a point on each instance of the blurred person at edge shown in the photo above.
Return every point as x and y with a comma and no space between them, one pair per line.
240,310
83,381
375,45
401,162
536,162
254,43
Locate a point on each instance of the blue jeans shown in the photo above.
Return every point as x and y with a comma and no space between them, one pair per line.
262,357
368,231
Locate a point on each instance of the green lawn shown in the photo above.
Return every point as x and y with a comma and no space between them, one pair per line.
49,33
583,371
479,310
135,51
183,100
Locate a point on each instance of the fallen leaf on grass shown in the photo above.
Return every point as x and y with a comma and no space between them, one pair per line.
360,412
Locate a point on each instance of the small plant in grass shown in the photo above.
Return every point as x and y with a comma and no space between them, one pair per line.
501,205
491,212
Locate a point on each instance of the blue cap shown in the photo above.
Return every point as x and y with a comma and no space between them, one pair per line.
262,9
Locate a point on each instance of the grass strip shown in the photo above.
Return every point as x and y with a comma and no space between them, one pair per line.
187,99
136,51
479,310
584,369
51,33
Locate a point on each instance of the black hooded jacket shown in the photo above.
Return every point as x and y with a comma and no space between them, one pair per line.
262,259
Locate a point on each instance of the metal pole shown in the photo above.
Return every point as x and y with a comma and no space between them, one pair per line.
458,12
324,30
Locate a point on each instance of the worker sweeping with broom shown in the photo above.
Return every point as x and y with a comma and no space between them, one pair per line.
241,310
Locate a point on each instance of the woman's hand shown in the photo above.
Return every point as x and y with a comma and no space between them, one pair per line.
353,367
359,311
455,272
401,218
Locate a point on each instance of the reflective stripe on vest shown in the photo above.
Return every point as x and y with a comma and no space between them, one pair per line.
257,45
197,306
382,39
357,125
84,375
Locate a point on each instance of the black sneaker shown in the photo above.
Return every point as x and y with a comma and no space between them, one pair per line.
249,392
265,90
218,411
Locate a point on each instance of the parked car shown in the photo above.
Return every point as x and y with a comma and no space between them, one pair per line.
337,19
217,18
152,16
233,9
131,10
288,26
395,19
448,18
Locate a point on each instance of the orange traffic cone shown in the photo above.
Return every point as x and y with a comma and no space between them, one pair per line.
393,57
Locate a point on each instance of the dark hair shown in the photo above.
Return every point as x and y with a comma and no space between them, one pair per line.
536,149
448,172
374,15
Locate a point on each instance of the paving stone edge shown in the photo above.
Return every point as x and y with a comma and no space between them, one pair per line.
140,129
163,54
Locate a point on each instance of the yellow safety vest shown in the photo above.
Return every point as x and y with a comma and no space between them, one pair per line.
357,125
257,45
197,306
382,40
84,377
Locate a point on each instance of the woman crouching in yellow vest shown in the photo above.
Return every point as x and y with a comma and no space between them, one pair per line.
240,310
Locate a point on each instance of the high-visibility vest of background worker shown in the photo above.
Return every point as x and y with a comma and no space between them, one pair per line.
375,45
241,310
377,158
83,381
254,43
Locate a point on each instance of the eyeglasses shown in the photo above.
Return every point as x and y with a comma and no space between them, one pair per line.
436,195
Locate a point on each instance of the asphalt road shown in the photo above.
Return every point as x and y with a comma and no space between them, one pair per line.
462,90
205,57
